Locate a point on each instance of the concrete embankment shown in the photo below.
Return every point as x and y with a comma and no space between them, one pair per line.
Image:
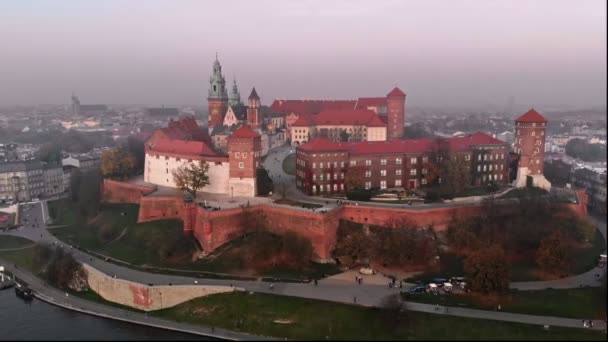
58,298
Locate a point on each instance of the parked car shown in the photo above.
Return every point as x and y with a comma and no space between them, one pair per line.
440,281
417,289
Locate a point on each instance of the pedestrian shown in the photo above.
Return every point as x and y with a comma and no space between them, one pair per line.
271,286
212,329
436,307
499,307
590,324
355,299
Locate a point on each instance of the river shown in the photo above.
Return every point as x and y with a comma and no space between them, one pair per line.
37,320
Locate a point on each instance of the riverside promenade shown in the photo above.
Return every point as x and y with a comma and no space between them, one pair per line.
56,297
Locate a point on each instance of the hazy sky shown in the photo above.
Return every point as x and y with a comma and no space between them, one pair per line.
441,53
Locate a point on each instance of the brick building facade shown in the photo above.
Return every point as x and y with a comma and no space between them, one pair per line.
322,165
529,145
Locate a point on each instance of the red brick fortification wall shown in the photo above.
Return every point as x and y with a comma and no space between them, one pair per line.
438,217
162,208
121,192
215,228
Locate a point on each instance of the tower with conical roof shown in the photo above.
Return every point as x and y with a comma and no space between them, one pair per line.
253,110
529,145
218,96
235,97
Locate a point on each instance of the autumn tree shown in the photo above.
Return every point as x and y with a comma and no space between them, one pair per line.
488,270
352,244
353,179
554,253
461,236
455,174
192,177
118,163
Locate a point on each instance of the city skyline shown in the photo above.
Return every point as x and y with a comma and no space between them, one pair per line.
440,53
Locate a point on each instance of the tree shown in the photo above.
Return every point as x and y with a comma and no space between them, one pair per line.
75,179
554,253
192,177
353,179
579,148
136,148
488,270
118,163
352,242
49,152
344,136
394,312
455,174
89,193
264,182
460,235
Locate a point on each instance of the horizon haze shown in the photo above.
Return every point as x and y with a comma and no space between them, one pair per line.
441,53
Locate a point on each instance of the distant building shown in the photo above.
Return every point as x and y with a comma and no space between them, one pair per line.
21,180
8,151
84,162
87,110
162,111
595,183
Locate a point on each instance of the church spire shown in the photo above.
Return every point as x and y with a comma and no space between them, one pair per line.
235,96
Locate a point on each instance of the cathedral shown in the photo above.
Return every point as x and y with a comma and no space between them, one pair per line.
227,113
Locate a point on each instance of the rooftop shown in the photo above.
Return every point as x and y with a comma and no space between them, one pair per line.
531,116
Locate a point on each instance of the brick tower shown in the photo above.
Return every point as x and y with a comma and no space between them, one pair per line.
530,146
253,110
396,113
218,96
244,152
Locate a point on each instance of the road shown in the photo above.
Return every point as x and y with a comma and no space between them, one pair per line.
365,294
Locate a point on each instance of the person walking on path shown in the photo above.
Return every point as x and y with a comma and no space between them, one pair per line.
355,299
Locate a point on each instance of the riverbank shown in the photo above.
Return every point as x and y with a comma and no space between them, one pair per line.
58,298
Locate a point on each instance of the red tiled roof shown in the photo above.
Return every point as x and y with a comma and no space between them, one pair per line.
531,116
244,132
309,106
400,146
365,102
396,92
182,136
348,117
198,148
304,120
322,144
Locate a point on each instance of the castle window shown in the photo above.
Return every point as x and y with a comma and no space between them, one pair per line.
533,133
383,184
479,157
423,181
368,173
412,172
342,187
321,177
314,177
398,182
328,165
424,171
368,162
500,177
382,161
214,87
398,172
383,173
413,160
237,154
398,161
241,165
353,163
368,185
335,187
314,165
341,164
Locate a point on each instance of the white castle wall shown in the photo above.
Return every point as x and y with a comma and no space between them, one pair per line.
159,171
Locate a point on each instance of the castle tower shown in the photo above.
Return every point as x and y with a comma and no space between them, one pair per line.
395,101
244,152
253,110
218,97
235,96
529,144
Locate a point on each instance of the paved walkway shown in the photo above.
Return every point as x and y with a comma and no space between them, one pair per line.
53,296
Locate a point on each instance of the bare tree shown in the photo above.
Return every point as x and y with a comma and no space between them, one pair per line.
192,177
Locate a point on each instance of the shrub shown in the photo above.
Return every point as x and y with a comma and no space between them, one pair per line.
359,195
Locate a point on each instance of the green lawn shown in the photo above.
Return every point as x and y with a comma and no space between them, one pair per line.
141,244
305,319
289,164
571,303
8,241
23,258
